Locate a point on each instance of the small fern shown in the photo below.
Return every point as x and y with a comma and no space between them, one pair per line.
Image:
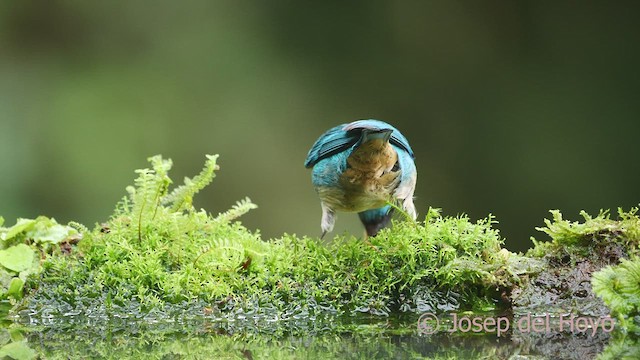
158,248
181,198
150,186
223,255
240,208
150,191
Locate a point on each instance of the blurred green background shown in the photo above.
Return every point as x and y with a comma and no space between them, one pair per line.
512,107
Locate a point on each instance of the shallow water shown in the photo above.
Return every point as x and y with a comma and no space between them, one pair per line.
77,336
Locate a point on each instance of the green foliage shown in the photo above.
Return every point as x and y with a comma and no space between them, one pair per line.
41,231
621,347
13,345
20,248
619,287
17,258
158,251
18,350
582,237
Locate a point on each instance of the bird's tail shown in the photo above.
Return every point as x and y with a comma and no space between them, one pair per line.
376,219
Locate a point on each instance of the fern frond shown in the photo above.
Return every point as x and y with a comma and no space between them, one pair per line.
607,285
240,208
162,180
181,198
223,254
123,207
150,186
619,286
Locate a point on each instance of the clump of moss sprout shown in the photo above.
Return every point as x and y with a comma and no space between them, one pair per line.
158,251
583,237
589,267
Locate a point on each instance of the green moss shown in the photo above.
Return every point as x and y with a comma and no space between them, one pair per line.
621,347
158,252
619,287
21,248
583,237
400,268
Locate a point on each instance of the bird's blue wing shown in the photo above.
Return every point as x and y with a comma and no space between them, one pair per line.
335,140
344,136
396,136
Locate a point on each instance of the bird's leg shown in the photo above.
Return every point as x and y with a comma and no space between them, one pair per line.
328,219
409,207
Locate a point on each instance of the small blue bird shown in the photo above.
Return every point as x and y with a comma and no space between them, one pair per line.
361,167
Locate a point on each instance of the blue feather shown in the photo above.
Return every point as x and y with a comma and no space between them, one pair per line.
345,136
333,141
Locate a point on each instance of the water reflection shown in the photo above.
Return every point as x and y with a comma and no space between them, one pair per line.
330,337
